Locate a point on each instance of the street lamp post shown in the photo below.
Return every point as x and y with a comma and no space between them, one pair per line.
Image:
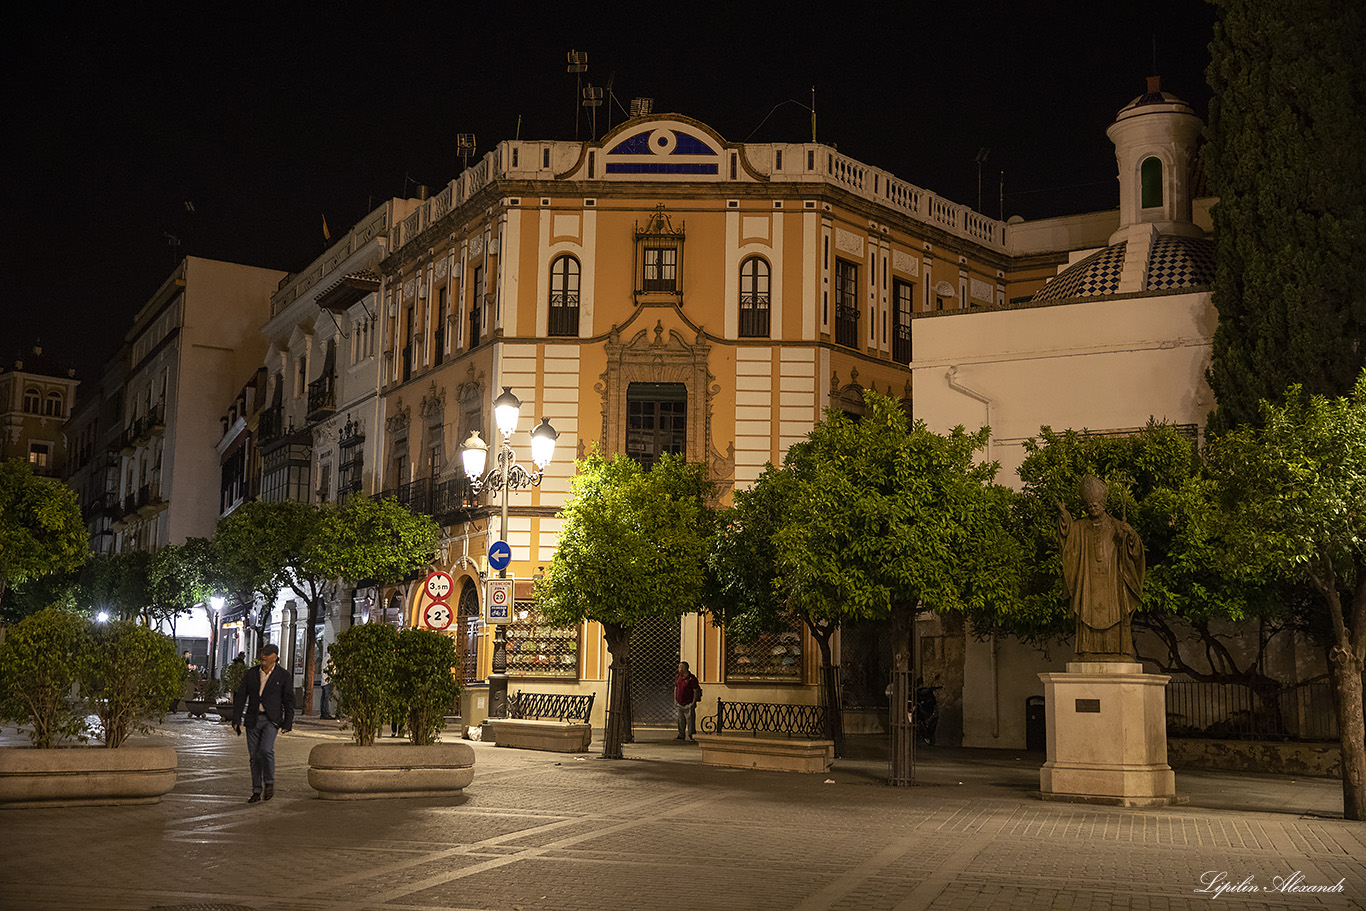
506,475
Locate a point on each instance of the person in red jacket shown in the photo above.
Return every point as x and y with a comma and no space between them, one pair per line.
687,693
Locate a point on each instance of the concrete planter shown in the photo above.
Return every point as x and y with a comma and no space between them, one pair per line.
344,771
85,776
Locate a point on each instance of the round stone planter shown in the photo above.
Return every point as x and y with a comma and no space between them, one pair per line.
85,776
344,771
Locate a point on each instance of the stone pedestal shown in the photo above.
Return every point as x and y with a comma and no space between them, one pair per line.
1107,736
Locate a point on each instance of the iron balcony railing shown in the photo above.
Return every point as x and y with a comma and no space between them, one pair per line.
846,325
322,396
754,316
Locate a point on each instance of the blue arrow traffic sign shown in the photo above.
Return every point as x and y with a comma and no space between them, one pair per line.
500,555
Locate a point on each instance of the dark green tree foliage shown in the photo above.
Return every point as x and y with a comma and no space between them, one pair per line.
130,674
424,681
361,665
40,658
1291,495
632,547
179,577
886,518
1155,482
269,547
41,531
118,584
741,580
1287,159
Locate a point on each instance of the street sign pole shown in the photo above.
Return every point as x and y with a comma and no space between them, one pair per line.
498,678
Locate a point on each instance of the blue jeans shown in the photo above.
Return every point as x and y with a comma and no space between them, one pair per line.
687,720
261,752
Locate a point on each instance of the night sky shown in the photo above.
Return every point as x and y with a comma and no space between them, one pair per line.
266,117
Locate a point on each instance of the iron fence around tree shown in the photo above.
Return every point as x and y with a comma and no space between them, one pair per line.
1232,711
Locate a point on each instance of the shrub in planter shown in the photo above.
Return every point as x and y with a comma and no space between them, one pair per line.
130,674
424,684
40,659
361,666
231,680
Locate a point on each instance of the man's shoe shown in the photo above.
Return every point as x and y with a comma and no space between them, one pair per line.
254,798
679,737
270,792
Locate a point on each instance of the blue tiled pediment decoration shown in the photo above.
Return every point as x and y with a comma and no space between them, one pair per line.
664,150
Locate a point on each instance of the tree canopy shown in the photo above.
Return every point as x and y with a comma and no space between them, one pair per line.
41,530
1287,159
306,548
1291,491
631,548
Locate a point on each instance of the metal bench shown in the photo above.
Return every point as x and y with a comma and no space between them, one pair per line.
781,737
541,706
557,722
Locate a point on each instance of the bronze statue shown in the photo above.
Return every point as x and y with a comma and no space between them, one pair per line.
1102,568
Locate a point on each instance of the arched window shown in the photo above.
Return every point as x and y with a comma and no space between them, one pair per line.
53,406
754,298
1150,173
564,296
32,401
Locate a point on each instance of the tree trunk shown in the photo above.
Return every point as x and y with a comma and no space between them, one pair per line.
899,715
617,729
315,611
1346,670
830,693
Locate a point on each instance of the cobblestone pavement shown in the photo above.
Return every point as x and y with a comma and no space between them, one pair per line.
660,830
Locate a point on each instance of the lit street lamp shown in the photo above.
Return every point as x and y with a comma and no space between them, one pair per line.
506,475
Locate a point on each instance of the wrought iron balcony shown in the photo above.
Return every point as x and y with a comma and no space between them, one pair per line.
322,396
271,424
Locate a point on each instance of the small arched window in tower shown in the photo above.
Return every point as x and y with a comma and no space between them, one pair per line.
564,297
52,407
1150,173
754,298
32,401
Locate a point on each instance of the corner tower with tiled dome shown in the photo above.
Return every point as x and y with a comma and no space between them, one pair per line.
1157,248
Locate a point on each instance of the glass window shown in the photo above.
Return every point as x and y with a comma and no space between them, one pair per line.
846,303
1151,174
656,421
754,298
52,407
564,297
661,268
903,295
32,401
771,657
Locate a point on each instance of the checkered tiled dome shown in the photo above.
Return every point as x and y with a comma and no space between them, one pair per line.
1174,264
1095,276
1180,263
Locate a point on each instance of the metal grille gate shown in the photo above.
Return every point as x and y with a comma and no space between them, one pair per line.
654,664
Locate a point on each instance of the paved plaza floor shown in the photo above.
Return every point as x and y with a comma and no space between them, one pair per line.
659,830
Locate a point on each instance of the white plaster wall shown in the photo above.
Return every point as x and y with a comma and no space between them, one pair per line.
1102,366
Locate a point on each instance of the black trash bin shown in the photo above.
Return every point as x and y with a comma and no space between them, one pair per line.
1036,726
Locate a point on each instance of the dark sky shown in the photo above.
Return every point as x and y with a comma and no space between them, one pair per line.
266,116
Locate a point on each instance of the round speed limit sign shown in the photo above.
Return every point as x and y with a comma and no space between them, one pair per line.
439,586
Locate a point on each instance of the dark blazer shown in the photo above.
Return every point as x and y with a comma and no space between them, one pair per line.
277,698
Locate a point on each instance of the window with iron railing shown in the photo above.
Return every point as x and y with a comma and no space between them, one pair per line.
846,304
659,256
754,298
903,297
564,297
656,421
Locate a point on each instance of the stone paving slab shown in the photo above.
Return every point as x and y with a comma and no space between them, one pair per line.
659,829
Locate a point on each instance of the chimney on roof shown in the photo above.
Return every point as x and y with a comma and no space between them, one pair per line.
1154,84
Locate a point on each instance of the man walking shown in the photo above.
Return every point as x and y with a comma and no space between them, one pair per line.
265,701
687,693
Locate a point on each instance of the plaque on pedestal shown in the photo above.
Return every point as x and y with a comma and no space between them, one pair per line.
1107,736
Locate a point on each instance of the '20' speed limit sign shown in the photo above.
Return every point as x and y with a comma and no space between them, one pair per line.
498,604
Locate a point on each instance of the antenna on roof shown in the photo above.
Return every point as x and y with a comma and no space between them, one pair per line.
592,98
642,107
578,65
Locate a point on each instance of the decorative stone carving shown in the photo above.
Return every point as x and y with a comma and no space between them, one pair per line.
477,246
433,402
905,262
848,242
657,360
398,420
